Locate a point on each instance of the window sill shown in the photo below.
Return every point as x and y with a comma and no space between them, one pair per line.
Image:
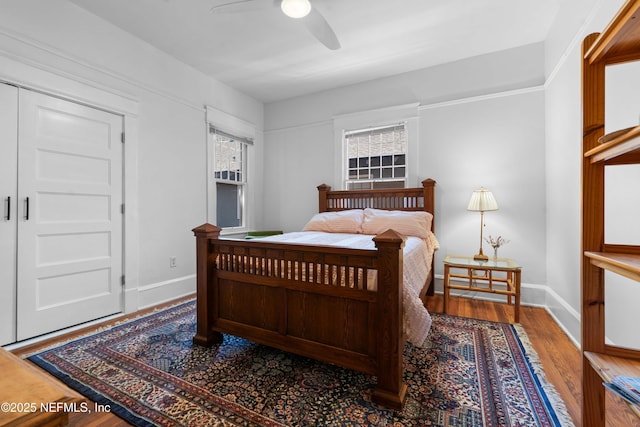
238,233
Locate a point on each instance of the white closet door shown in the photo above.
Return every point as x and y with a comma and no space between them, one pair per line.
69,207
8,196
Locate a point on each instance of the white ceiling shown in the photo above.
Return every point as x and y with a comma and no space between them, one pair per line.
271,57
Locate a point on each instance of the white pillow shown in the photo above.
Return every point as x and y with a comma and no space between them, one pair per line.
408,223
349,221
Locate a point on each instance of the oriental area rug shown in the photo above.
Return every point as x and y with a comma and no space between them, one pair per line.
469,373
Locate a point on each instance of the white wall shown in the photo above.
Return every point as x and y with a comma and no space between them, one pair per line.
496,142
166,144
622,204
480,123
563,162
296,160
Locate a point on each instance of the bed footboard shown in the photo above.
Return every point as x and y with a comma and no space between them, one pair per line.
336,305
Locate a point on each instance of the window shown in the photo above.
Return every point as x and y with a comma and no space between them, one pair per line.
376,157
229,175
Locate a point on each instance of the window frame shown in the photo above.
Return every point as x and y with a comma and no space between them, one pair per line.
241,130
382,117
241,146
366,162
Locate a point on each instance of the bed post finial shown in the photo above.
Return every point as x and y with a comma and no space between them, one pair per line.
428,182
323,189
207,230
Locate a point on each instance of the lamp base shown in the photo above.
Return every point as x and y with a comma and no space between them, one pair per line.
481,257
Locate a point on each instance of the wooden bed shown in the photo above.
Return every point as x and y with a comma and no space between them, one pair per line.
246,288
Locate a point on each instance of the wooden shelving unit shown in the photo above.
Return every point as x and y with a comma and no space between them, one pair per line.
618,43
615,144
611,366
627,265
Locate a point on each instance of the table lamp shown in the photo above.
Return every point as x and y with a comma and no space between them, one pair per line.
482,200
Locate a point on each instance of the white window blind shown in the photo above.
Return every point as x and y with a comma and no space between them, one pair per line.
376,157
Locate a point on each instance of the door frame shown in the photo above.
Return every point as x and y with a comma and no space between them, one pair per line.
59,286
8,188
43,80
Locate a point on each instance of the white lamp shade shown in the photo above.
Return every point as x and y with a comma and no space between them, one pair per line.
296,8
482,200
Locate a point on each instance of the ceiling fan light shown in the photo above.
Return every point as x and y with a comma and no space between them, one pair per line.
296,8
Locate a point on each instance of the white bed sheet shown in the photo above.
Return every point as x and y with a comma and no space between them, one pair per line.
417,255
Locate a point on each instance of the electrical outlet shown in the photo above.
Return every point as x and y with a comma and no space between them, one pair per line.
172,261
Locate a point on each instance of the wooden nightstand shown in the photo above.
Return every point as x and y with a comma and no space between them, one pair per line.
480,276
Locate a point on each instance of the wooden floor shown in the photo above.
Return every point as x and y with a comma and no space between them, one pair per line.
559,356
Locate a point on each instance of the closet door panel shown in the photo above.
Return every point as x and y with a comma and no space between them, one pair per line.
8,209
70,220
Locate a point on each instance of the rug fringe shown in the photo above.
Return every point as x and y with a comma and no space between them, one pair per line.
554,397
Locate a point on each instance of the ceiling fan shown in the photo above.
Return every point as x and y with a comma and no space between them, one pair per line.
297,9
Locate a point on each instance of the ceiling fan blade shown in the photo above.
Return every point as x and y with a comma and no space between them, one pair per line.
320,28
239,6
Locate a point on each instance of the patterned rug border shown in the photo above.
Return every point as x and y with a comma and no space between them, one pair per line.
95,396
552,400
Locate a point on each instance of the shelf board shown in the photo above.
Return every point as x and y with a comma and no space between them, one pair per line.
620,41
627,265
610,366
615,144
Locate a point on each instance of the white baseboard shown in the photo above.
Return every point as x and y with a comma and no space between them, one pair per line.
565,316
161,292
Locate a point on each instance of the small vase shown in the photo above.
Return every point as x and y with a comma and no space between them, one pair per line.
495,254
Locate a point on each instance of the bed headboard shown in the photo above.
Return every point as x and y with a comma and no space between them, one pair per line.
403,199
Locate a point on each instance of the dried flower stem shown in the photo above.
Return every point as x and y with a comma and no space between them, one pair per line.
496,242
